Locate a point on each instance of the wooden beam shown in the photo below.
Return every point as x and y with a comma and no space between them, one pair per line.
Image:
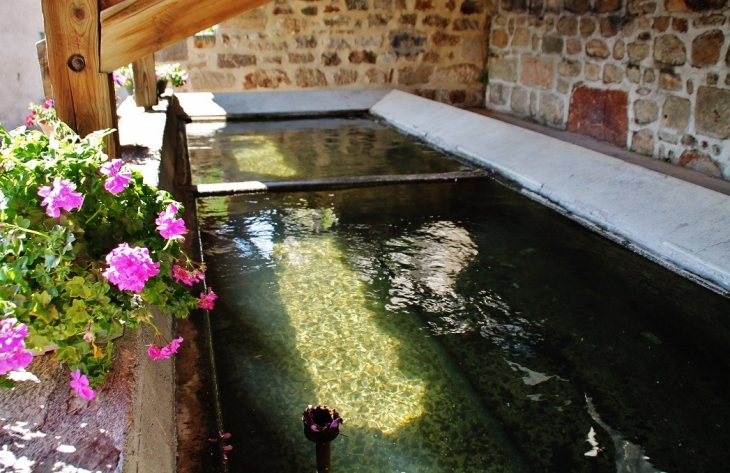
40,47
84,97
145,83
136,28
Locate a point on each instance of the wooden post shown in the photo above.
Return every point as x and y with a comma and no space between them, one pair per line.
145,83
84,97
40,47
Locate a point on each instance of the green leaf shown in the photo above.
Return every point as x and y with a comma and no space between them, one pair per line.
78,287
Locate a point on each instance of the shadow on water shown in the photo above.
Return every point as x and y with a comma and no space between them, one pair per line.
486,320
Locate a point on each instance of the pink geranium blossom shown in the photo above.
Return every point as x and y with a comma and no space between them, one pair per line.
13,355
187,277
61,196
80,384
160,353
168,225
130,267
117,181
30,118
206,300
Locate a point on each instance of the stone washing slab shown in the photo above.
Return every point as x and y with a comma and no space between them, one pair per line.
679,224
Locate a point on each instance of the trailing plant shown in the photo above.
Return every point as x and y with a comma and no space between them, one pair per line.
173,73
86,249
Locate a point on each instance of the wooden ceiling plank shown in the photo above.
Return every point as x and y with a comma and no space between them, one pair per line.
138,28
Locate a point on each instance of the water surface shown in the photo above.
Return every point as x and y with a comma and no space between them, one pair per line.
457,327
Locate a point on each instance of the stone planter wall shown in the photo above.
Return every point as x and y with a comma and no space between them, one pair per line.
434,48
649,75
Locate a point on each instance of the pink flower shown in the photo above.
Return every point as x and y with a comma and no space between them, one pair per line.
30,118
13,355
206,300
80,384
168,225
160,353
49,103
117,181
88,336
60,196
130,267
186,277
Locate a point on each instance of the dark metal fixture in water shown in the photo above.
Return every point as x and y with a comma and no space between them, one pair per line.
321,426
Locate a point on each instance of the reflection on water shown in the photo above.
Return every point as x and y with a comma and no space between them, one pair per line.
305,149
457,327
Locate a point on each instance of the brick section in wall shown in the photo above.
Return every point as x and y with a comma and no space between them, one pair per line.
649,75
434,48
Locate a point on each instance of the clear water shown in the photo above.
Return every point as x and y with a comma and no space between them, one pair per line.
306,148
457,327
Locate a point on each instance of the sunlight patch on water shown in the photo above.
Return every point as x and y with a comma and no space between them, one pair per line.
261,155
353,363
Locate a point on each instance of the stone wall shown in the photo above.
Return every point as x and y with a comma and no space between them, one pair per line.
649,75
434,48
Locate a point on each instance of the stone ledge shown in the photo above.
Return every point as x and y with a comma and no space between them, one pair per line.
130,424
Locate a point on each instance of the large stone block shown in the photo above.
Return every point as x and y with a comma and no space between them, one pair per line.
645,111
500,38
436,21
606,6
357,4
568,25
253,19
266,79
641,7
503,68
642,142
552,44
297,58
359,57
345,77
212,80
307,77
407,43
601,114
694,5
638,52
669,50
675,113
577,6
521,38
670,80
440,38
498,94
458,74
552,109
537,71
612,74
570,68
472,7
712,112
331,58
597,48
232,61
520,101
415,75
706,48
701,162
376,76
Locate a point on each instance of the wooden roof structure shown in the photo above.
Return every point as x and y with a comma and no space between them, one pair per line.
86,40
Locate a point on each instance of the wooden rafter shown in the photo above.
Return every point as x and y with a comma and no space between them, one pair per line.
131,29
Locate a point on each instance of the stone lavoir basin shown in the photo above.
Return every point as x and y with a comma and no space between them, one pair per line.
459,325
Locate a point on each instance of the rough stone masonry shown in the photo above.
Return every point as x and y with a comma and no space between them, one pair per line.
651,76
434,48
